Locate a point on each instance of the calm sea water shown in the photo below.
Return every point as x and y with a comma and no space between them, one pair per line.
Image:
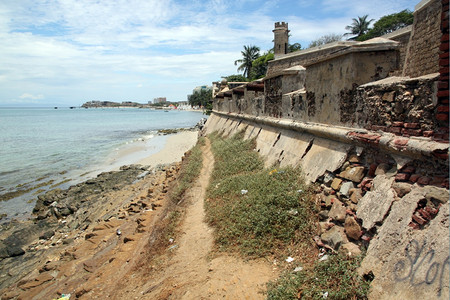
43,148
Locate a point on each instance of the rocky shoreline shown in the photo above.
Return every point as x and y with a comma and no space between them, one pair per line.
63,219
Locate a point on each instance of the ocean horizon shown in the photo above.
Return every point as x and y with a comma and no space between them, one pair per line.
48,148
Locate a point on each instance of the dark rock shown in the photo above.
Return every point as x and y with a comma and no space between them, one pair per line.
15,251
323,215
47,235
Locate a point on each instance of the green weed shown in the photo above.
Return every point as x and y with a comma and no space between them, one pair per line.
335,277
256,211
189,172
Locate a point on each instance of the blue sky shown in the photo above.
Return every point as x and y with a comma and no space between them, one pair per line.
67,52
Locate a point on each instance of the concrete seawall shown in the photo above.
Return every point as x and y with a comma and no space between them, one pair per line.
381,192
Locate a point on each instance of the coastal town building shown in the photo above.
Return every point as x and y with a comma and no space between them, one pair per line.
159,100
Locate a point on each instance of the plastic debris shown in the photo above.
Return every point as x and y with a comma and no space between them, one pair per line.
323,258
118,232
243,192
289,259
325,295
273,171
173,247
299,191
298,269
293,212
64,297
171,241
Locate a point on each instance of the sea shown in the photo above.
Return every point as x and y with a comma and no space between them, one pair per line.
47,148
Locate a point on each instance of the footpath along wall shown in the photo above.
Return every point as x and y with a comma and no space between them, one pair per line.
376,145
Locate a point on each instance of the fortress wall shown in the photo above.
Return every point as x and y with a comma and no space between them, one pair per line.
423,51
386,193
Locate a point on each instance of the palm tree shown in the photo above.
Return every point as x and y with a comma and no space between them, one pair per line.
249,54
358,27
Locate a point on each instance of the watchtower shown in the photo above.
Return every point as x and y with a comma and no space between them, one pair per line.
281,38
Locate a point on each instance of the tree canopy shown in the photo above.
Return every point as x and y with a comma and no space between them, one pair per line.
236,78
325,39
249,54
358,27
388,24
200,98
259,66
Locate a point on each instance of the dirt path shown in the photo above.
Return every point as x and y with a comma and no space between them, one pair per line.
101,264
191,274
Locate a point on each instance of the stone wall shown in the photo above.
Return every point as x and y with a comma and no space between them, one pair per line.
379,192
423,51
303,57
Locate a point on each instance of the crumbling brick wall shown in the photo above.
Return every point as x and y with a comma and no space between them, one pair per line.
403,107
442,110
423,52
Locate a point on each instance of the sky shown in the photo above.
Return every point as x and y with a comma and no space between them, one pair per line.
67,52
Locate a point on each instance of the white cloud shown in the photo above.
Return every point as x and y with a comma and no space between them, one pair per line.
78,49
32,97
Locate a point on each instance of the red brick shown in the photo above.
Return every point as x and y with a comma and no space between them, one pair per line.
437,180
408,169
418,219
401,143
411,132
372,169
428,133
444,55
444,77
396,130
423,180
368,138
442,108
444,38
443,130
443,93
442,85
411,125
444,25
378,127
424,214
443,62
414,225
443,101
402,177
397,124
444,46
445,184
441,154
414,177
442,117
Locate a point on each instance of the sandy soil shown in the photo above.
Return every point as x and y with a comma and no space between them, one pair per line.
174,149
102,264
191,273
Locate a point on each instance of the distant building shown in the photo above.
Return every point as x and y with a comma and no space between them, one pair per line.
159,100
201,88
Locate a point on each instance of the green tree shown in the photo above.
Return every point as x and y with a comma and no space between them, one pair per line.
200,98
388,24
358,27
259,66
236,78
294,47
325,39
249,54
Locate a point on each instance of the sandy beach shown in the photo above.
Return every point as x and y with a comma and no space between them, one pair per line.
174,149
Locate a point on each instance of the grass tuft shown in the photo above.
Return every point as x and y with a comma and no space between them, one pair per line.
334,278
256,211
